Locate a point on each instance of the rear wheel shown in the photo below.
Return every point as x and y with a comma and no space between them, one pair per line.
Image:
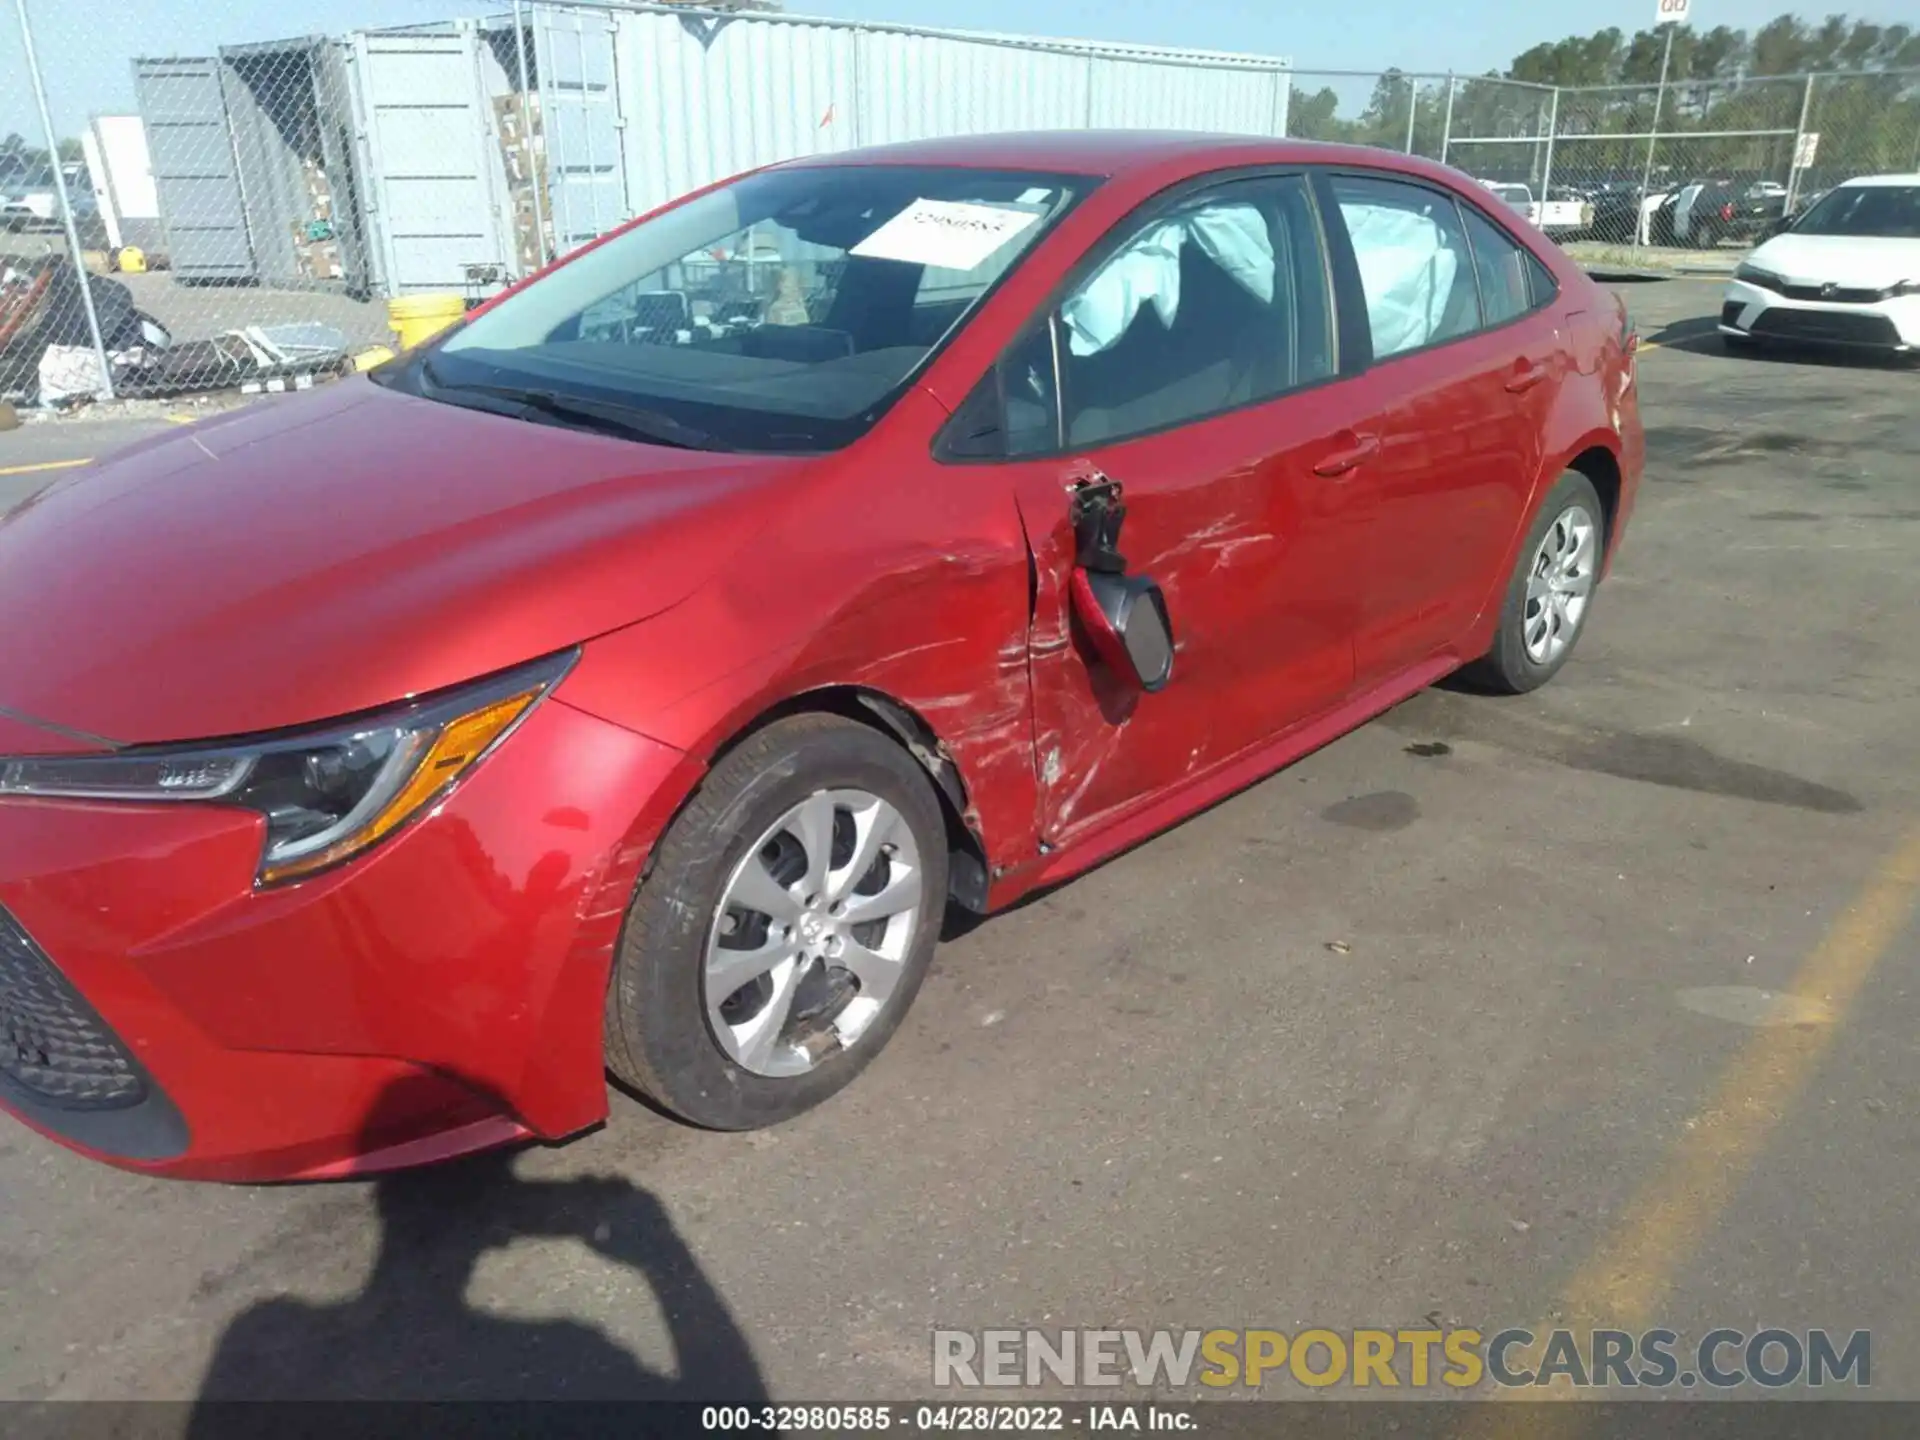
1551,590
783,928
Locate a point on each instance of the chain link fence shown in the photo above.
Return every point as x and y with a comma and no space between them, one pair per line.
201,211
1700,165
186,207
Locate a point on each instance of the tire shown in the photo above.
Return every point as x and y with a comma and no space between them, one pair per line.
663,1036
1510,667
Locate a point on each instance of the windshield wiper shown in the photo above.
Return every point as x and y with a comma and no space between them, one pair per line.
634,421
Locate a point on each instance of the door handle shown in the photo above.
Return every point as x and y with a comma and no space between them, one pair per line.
1525,376
1360,447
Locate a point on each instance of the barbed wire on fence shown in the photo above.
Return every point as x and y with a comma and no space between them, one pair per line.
240,212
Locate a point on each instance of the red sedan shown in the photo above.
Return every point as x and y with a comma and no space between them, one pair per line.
629,679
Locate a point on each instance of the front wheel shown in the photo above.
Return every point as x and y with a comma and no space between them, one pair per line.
783,928
1551,590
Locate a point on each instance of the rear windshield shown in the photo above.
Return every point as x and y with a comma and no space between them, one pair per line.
1884,211
782,312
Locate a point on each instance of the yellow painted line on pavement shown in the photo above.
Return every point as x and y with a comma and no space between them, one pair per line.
1626,1280
44,465
1649,345
181,419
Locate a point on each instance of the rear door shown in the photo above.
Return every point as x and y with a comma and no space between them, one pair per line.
1194,362
1462,368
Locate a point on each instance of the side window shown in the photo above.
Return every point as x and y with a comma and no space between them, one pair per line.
1415,268
1218,302
1540,281
1500,265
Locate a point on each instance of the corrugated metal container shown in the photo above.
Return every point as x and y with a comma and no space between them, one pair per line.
291,117
633,105
183,106
435,189
702,96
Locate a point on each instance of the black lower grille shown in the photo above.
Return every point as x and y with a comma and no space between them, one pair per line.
52,1045
1830,326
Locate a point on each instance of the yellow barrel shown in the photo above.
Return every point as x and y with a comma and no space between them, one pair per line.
415,318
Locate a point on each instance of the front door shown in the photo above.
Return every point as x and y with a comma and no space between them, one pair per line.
1195,365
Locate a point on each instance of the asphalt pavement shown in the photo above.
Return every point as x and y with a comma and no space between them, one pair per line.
1472,1017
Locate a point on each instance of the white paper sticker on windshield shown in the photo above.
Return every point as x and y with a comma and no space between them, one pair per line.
952,234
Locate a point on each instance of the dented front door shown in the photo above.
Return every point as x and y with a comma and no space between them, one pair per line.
1253,550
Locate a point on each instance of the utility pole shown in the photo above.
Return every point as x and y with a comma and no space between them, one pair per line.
1793,161
1553,129
1642,220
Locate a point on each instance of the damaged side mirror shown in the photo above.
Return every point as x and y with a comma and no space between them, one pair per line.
1124,615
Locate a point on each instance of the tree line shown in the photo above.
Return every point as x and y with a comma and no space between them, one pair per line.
1865,107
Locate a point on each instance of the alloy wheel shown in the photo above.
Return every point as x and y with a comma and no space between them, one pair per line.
812,933
1560,584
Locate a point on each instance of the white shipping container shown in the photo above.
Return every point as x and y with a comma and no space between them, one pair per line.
121,175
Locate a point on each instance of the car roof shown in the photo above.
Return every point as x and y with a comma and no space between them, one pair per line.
1114,153
1908,179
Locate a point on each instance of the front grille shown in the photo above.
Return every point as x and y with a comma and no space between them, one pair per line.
52,1045
1832,326
1837,295
1830,294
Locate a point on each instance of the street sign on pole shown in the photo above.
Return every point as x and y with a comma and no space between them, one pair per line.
1671,12
1805,149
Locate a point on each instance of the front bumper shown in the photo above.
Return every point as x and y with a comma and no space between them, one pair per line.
442,993
1751,312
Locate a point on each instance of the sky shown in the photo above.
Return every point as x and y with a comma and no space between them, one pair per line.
84,45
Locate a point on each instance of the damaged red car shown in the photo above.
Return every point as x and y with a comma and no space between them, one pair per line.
629,679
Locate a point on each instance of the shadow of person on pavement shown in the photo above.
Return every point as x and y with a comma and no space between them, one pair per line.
411,1334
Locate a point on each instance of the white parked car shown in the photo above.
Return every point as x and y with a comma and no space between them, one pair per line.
1844,272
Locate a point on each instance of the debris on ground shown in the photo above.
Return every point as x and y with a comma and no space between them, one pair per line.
47,355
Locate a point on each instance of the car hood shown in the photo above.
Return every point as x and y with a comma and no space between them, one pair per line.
1867,262
330,553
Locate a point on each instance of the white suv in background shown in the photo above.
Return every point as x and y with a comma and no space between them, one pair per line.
1846,272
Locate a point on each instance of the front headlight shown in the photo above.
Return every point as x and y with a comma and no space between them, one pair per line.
327,794
1754,275
1905,287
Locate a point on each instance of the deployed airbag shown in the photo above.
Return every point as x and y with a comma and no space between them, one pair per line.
1407,271
1147,271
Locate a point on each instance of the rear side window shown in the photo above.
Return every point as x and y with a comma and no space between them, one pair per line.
1415,267
1512,279
1500,266
1540,281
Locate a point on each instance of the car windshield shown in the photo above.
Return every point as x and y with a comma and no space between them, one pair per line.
1883,211
782,312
